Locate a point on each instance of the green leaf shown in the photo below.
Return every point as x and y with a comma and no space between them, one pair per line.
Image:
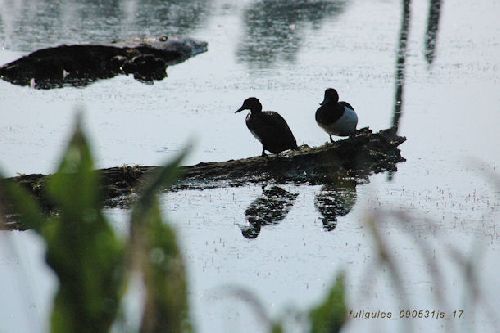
88,259
23,204
163,177
330,315
75,186
277,328
155,252
82,248
166,305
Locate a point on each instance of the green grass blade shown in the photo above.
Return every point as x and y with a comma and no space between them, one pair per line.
331,314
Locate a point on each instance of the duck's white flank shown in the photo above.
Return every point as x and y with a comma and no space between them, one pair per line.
344,126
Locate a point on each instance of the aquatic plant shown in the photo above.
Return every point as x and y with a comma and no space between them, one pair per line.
331,314
91,263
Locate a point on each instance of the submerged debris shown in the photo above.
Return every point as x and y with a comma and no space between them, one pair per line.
79,65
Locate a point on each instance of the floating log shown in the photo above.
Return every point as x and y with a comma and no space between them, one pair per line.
79,65
357,156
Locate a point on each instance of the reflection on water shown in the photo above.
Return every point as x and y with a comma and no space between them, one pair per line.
334,200
432,30
400,64
176,16
48,23
270,208
274,29
430,50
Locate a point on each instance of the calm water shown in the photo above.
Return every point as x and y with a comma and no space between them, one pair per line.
285,53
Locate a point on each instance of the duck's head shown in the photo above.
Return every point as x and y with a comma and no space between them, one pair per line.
331,96
252,104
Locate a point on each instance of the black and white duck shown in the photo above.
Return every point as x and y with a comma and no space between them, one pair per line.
336,118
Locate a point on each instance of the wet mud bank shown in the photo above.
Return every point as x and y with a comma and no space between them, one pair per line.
79,65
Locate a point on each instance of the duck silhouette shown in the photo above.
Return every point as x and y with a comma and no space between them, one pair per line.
268,127
336,118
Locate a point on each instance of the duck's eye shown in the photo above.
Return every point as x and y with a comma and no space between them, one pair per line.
163,38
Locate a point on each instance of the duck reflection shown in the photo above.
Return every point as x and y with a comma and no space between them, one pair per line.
275,28
270,208
334,200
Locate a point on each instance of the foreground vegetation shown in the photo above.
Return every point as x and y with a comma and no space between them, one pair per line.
94,266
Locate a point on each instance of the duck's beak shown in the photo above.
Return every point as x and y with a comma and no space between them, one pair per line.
240,109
